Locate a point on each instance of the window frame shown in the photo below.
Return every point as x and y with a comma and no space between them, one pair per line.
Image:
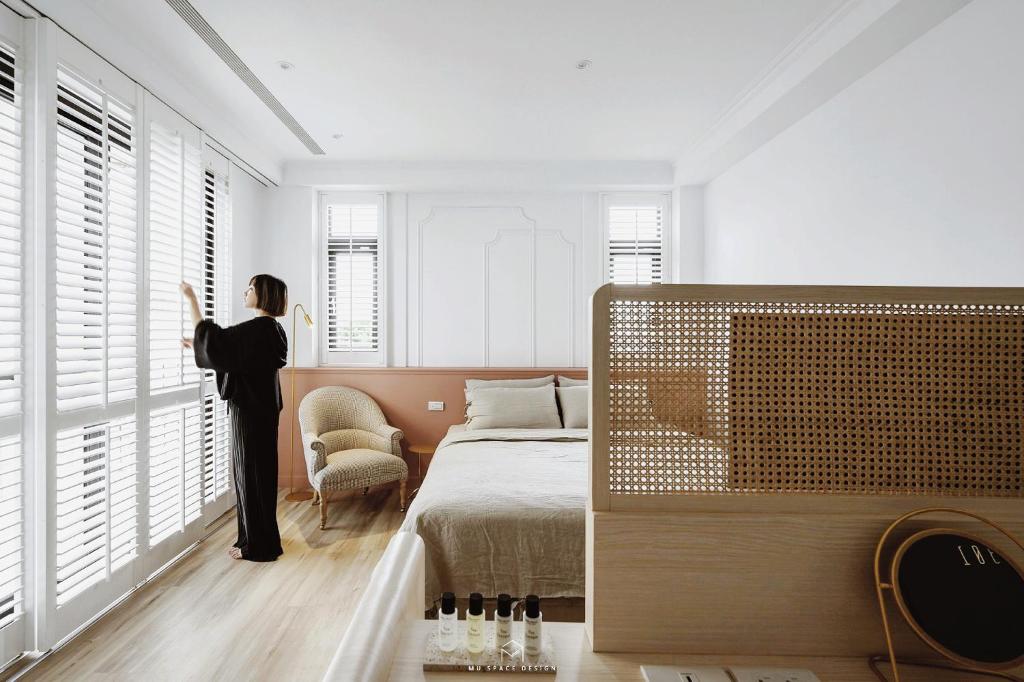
326,357
638,199
57,621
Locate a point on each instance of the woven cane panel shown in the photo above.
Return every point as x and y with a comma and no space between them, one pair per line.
712,397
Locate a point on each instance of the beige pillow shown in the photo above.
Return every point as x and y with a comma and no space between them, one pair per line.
510,408
573,401
569,381
532,382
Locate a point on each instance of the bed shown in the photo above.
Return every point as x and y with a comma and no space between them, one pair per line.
502,510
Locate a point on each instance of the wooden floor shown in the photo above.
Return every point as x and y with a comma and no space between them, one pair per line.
211,617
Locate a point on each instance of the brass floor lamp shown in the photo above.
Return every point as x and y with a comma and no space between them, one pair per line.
301,495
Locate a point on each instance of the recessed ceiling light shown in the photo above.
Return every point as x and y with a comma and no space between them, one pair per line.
583,64
338,136
286,66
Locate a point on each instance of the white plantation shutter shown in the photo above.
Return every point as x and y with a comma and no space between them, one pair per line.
216,448
209,246
126,445
94,346
217,306
12,541
353,258
95,504
10,237
175,470
95,247
636,242
192,464
166,436
175,252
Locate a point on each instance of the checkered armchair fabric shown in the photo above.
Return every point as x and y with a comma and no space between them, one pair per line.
348,443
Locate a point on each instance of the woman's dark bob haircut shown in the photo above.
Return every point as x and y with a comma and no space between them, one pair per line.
271,294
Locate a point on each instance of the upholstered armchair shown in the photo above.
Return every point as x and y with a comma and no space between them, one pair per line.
348,444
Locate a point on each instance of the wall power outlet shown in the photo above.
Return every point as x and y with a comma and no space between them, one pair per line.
678,673
753,674
435,406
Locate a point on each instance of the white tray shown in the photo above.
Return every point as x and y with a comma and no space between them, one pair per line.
490,660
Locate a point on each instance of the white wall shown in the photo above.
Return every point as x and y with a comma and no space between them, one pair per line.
473,278
287,249
247,205
911,176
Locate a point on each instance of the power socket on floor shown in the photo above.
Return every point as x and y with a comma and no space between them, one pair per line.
772,675
678,673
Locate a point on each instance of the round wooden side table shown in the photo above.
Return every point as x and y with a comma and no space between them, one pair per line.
420,451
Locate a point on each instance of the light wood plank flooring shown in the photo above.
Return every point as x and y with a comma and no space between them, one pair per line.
211,617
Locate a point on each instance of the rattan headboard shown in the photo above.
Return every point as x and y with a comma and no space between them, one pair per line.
727,390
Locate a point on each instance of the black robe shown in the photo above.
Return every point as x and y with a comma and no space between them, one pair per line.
246,358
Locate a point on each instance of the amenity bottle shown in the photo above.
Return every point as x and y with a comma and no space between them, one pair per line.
503,621
447,623
475,623
532,619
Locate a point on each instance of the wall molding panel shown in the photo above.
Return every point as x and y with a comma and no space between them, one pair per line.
495,279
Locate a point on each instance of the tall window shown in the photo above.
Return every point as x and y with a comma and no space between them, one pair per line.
11,344
177,238
130,438
635,238
352,229
95,336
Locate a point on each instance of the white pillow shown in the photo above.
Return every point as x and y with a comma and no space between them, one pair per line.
569,381
573,401
510,408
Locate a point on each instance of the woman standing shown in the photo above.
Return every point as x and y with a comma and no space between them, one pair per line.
246,358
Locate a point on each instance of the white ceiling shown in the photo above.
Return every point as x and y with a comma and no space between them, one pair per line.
487,80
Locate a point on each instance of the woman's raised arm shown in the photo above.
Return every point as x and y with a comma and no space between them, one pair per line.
193,302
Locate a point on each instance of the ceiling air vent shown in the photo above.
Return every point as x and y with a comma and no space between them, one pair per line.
194,19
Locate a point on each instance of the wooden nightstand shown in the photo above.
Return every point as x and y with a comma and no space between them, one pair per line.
421,451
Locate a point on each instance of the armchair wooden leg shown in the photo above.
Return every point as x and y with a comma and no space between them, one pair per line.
366,490
316,498
401,496
323,512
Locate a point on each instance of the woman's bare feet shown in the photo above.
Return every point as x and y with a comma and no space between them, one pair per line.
235,553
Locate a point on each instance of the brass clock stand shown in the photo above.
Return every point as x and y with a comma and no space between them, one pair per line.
890,583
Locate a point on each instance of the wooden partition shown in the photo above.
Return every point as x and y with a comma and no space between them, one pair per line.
402,393
750,445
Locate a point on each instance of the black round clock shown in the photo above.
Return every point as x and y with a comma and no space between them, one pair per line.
963,597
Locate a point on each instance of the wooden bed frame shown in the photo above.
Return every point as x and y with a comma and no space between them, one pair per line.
751,443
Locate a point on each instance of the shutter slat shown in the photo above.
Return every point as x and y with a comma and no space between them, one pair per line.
635,243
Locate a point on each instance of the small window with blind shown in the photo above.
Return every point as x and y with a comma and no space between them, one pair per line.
351,228
636,238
